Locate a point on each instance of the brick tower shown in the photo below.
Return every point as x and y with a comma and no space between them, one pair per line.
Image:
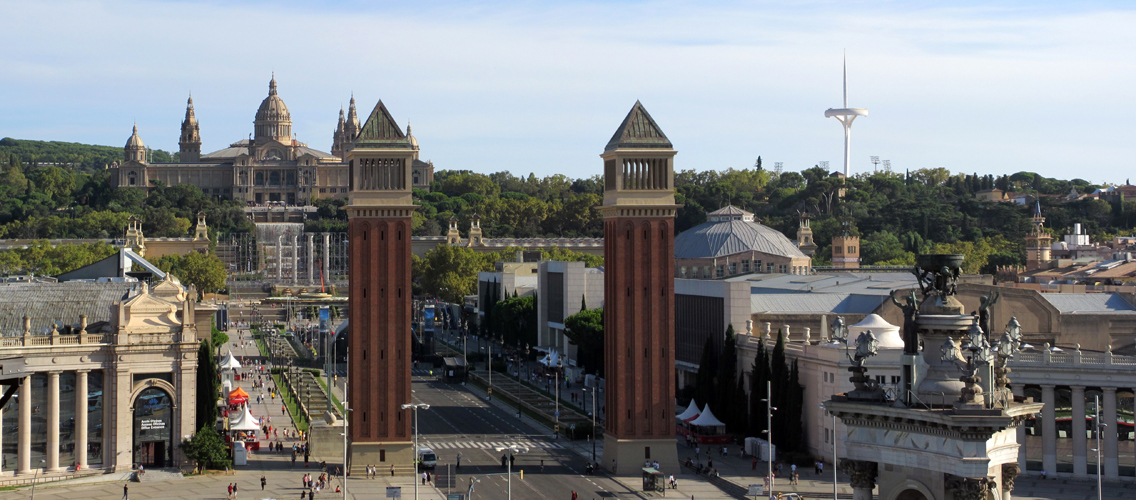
639,341
378,211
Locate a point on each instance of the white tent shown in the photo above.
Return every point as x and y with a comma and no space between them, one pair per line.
244,421
707,419
550,359
690,412
230,362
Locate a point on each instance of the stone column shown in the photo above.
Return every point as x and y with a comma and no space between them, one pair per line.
81,419
311,259
1048,432
1009,473
1020,390
295,259
24,427
52,422
863,477
326,256
279,258
1110,433
1077,430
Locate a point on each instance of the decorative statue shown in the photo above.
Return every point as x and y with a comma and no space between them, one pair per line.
987,302
839,330
867,345
910,316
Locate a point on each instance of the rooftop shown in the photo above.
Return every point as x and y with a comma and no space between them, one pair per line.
62,303
728,233
1089,303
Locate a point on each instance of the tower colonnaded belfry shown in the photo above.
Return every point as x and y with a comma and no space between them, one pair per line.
639,321
379,217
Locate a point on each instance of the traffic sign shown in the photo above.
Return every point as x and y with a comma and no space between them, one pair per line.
394,491
756,490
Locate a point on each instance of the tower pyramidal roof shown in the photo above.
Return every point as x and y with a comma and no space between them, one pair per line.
638,131
380,131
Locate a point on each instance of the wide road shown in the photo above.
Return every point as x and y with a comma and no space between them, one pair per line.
460,422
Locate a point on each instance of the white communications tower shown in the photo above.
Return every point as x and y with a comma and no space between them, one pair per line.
845,115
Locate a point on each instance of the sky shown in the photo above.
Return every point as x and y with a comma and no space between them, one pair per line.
540,87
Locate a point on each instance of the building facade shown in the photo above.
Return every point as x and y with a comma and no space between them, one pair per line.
106,375
732,242
271,167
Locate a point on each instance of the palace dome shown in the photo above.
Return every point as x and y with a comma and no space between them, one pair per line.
272,108
732,230
134,141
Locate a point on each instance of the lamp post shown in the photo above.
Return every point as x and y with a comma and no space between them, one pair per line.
1099,427
346,420
769,429
509,465
36,476
559,368
593,390
416,407
833,453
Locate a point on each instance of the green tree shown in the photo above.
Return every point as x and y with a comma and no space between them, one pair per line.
205,272
450,272
726,380
207,450
705,391
585,330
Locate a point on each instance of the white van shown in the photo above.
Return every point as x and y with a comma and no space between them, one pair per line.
427,459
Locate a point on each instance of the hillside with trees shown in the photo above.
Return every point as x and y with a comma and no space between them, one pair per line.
81,157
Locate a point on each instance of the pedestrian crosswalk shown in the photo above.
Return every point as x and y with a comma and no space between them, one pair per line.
489,445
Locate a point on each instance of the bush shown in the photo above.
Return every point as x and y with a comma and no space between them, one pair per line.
582,431
207,450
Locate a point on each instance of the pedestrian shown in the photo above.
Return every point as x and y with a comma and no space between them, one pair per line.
542,465
303,494
613,466
263,482
423,478
125,492
235,492
574,496
230,497
392,470
754,465
459,460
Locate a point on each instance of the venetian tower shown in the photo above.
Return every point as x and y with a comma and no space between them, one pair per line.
190,141
638,210
378,211
805,235
1038,242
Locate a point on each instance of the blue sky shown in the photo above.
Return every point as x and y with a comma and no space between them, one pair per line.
540,86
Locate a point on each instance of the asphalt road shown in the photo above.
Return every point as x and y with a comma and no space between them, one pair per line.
460,422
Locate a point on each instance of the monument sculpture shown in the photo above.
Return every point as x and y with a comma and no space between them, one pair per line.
951,432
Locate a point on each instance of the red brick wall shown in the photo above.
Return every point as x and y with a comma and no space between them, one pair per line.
379,312
639,327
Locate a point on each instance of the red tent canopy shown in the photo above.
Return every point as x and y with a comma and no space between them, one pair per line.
238,396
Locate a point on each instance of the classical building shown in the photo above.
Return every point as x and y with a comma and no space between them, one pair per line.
270,167
731,242
104,374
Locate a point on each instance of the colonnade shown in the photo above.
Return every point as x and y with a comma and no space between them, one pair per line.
1109,437
24,445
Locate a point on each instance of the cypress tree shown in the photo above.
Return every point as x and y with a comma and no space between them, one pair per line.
726,377
779,375
207,386
795,417
704,389
758,376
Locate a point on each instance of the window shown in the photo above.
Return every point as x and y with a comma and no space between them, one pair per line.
290,178
769,267
745,265
682,271
323,190
720,271
274,178
733,268
782,268
851,250
260,178
881,379
827,435
895,379
757,266
706,272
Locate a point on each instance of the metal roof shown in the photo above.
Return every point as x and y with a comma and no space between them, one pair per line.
812,303
1089,303
48,303
241,148
861,283
728,237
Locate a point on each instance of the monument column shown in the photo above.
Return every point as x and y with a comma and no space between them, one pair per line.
295,258
52,422
279,257
862,477
1110,436
326,256
81,419
1077,431
311,259
638,211
379,219
1048,432
24,426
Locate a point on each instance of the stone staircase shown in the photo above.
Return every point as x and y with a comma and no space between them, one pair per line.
158,475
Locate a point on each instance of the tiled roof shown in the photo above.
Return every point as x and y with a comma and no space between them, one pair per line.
638,130
381,131
728,237
1089,303
241,148
48,303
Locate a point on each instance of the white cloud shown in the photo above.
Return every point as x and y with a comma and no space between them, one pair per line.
526,87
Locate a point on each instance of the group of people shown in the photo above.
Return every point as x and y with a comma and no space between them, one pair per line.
373,470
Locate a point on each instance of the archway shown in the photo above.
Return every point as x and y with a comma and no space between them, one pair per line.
911,495
153,424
